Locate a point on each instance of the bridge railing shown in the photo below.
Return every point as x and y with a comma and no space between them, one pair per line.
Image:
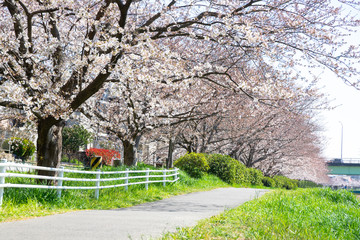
345,161
124,178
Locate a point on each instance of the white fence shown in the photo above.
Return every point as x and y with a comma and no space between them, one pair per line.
161,176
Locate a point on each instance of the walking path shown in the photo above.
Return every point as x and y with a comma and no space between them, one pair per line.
149,220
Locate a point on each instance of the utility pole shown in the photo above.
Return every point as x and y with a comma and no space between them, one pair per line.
342,136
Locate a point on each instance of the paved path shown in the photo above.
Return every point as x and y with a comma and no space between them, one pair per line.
140,222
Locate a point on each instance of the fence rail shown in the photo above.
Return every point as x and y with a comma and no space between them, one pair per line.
126,179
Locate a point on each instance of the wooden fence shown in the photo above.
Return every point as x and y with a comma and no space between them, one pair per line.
127,178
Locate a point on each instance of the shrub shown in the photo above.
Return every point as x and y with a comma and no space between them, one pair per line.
194,164
107,155
279,181
73,138
226,168
291,184
5,145
76,161
21,147
255,176
284,182
73,160
268,182
308,184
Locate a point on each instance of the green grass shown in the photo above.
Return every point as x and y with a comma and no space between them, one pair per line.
26,203
296,214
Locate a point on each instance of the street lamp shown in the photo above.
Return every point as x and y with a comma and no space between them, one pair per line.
342,134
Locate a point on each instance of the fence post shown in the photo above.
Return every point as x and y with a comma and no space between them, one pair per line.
176,174
147,179
60,181
2,180
97,190
126,178
164,178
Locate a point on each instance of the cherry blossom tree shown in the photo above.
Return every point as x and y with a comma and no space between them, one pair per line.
136,107
275,139
55,55
276,142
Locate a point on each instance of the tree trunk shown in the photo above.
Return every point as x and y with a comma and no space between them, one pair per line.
169,160
136,147
189,148
129,153
49,145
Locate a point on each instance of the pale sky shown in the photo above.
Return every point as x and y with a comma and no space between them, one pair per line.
348,112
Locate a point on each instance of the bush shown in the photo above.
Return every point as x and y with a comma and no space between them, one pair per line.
268,182
5,145
291,184
73,138
76,161
194,164
21,147
226,168
255,176
279,181
308,184
107,155
284,182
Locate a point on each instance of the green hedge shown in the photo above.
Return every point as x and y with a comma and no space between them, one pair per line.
21,147
232,171
227,168
269,182
308,184
284,182
255,176
194,164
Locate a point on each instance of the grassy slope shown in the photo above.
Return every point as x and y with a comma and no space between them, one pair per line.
25,203
298,214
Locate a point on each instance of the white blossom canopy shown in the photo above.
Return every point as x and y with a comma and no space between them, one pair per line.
54,55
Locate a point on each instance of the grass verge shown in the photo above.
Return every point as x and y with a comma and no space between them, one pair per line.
297,214
26,203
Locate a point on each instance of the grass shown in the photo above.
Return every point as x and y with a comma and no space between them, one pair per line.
281,214
296,214
26,203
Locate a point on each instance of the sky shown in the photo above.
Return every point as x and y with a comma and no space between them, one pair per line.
346,116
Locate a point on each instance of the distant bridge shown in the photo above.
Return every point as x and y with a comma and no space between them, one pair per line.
345,166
